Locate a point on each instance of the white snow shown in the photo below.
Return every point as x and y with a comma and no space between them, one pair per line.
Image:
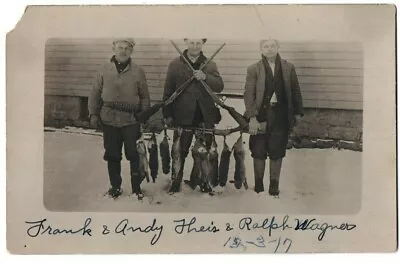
313,181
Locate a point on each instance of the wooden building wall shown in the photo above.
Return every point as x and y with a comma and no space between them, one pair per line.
330,74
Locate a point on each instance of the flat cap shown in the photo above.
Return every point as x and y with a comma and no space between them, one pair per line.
203,39
130,41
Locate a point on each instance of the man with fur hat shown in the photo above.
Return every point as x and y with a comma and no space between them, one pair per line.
273,104
194,107
119,92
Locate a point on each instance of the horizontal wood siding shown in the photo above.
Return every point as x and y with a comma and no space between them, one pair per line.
330,74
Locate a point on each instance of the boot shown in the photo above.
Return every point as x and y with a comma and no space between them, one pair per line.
205,187
274,171
259,169
114,174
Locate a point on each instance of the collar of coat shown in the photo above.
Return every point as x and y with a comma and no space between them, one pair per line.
268,70
121,66
113,59
198,62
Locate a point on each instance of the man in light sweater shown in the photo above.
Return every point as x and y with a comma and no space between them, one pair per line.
119,92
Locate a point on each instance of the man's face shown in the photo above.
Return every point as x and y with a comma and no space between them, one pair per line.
194,46
122,51
269,49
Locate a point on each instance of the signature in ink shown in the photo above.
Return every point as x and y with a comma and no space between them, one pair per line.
124,228
41,227
311,224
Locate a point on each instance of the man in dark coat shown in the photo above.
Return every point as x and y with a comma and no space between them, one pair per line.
119,92
194,107
273,104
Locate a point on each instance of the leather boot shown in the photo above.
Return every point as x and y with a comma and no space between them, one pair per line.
259,169
274,172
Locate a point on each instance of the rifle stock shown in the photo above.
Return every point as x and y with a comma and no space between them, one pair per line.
238,117
143,116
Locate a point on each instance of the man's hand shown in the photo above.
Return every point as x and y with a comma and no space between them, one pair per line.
254,126
94,121
168,121
200,75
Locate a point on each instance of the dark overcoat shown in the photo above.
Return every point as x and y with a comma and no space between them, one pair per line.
182,110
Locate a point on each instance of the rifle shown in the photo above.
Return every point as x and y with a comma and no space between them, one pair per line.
237,116
143,116
220,131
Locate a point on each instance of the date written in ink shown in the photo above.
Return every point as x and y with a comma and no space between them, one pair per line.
277,245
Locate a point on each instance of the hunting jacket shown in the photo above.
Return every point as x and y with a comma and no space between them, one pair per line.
182,110
128,88
255,87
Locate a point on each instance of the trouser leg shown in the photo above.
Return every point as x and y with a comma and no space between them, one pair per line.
185,142
112,140
114,174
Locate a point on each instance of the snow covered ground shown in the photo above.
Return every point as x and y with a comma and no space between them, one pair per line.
313,181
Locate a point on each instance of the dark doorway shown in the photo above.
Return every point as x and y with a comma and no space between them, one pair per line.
84,111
